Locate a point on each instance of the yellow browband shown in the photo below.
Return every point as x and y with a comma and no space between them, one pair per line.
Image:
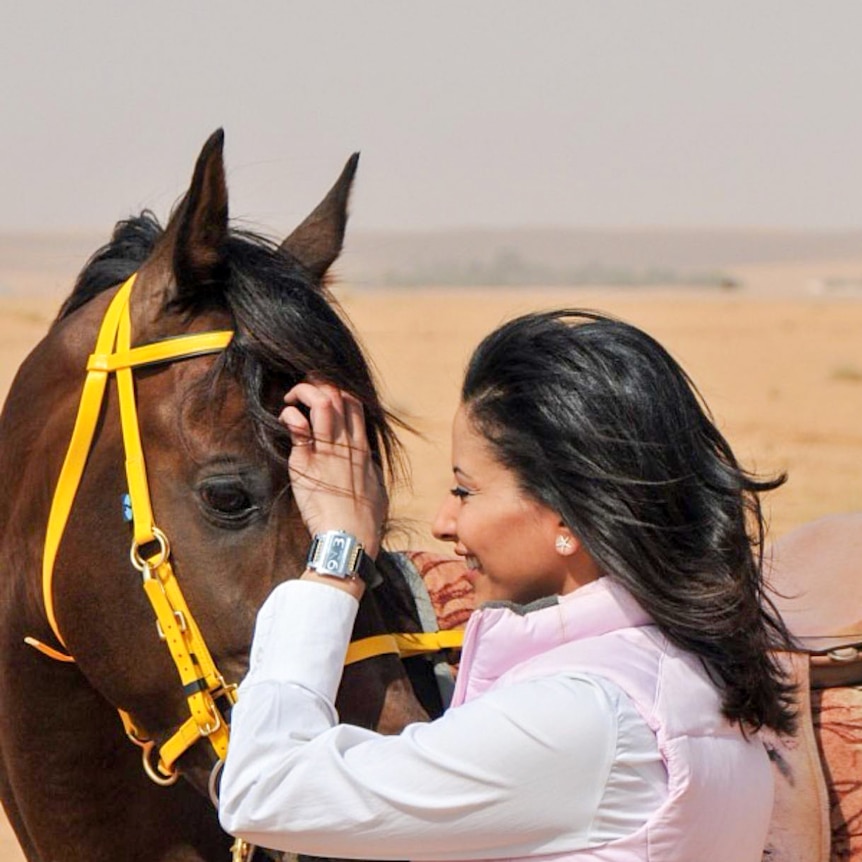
201,680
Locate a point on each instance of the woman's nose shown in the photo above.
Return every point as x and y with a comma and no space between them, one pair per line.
443,526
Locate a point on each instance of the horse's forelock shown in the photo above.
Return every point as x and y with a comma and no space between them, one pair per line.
287,329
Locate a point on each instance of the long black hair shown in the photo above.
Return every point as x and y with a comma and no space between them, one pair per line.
601,425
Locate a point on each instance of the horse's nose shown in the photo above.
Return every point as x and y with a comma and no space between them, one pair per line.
443,526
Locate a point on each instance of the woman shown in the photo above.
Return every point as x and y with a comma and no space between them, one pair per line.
613,681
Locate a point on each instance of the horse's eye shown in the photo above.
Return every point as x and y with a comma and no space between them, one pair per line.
228,502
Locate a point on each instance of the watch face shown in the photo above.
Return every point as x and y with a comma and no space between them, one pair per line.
336,554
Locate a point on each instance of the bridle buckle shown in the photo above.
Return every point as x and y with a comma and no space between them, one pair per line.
181,624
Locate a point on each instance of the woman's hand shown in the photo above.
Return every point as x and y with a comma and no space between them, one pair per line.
335,482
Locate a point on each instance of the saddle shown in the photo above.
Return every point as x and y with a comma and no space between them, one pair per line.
815,580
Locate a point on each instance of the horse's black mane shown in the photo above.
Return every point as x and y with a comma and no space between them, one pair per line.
131,243
286,326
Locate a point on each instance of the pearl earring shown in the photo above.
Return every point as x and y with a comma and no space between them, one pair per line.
563,545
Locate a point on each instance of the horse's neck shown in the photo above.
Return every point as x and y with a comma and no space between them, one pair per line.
59,733
395,597
399,608
35,428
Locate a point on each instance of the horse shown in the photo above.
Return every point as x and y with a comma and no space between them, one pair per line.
209,327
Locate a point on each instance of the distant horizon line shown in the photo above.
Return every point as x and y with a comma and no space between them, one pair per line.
89,231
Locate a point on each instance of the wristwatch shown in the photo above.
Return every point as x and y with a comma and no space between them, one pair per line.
341,555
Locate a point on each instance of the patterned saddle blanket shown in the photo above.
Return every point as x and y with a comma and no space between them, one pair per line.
815,579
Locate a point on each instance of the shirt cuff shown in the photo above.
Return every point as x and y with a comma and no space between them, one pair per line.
301,637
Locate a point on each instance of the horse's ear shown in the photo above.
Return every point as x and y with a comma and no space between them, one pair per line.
201,222
316,243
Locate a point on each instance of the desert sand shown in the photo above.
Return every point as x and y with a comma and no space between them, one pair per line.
781,371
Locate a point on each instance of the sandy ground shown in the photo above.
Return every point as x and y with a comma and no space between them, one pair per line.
782,374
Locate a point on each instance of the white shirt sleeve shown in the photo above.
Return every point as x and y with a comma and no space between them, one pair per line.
520,771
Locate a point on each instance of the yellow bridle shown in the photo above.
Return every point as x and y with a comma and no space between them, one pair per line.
202,683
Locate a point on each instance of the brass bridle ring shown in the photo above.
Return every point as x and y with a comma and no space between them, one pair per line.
213,783
164,552
153,772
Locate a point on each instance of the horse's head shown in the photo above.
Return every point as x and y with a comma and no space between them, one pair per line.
215,455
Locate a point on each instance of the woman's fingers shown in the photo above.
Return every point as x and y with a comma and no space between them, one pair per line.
298,426
335,481
325,406
334,417
354,421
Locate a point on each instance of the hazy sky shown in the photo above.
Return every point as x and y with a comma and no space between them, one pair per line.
467,112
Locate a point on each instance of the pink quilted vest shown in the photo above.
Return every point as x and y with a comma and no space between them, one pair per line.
720,785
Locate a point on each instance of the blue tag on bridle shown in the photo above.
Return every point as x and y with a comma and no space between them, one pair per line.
128,517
